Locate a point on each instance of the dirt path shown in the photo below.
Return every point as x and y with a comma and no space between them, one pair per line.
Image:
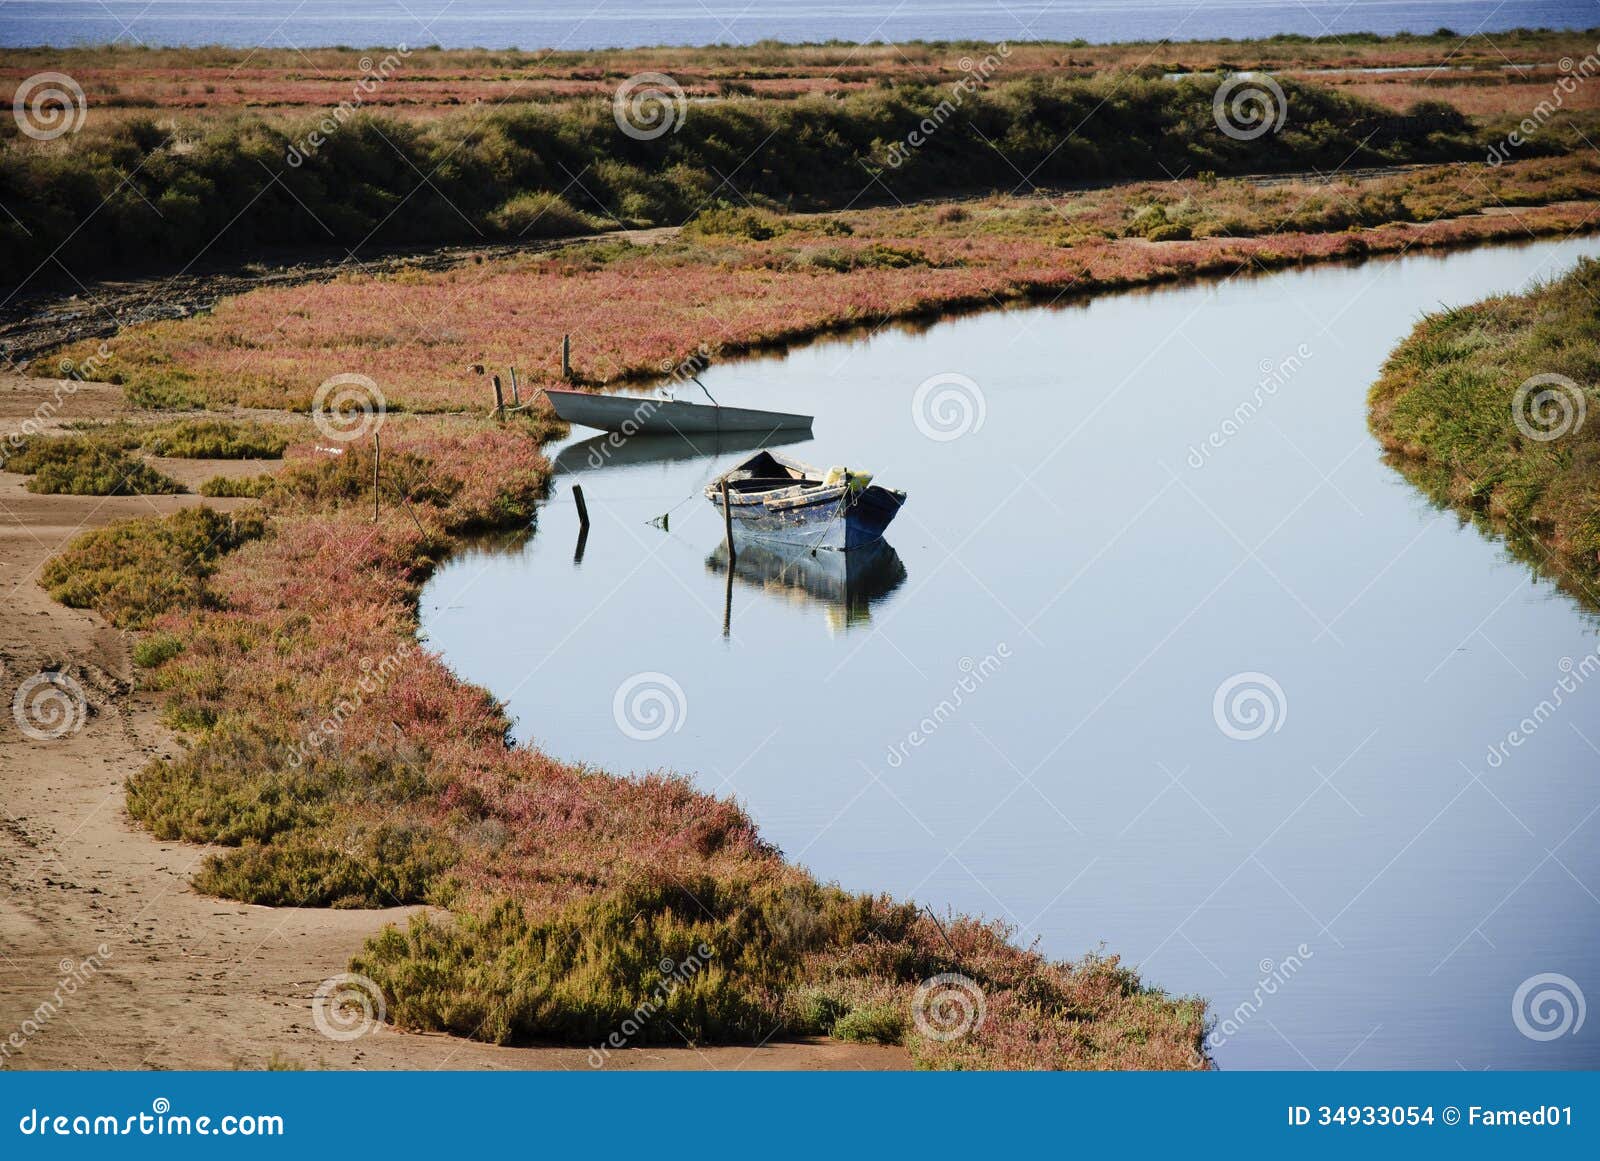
184,981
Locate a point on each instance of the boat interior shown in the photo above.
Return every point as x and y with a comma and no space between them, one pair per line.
764,472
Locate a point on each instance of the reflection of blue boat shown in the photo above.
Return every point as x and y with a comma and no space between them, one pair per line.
774,498
845,584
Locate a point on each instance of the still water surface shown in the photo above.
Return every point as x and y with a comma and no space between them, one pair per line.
1077,590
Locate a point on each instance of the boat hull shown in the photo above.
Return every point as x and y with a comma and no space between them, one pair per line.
834,519
647,416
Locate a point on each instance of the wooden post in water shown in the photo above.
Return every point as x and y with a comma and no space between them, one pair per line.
566,358
377,457
583,509
516,394
499,399
727,524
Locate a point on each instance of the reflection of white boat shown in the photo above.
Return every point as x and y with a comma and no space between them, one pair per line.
643,415
845,584
606,451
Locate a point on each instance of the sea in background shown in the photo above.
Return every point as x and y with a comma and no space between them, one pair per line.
589,24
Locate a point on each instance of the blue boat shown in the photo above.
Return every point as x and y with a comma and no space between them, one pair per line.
783,501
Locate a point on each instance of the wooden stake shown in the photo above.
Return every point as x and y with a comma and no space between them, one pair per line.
516,395
583,509
727,523
377,457
499,399
566,358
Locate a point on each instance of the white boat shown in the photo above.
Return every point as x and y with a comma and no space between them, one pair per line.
643,415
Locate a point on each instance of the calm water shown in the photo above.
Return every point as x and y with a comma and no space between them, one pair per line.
1095,589
580,24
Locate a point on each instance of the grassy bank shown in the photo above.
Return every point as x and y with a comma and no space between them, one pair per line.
1491,408
164,188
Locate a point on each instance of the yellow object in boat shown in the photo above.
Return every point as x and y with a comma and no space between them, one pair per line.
857,481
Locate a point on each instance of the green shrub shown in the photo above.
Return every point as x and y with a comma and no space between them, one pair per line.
156,649
705,958
86,466
883,1023
733,222
541,215
253,487
216,439
133,571
389,865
